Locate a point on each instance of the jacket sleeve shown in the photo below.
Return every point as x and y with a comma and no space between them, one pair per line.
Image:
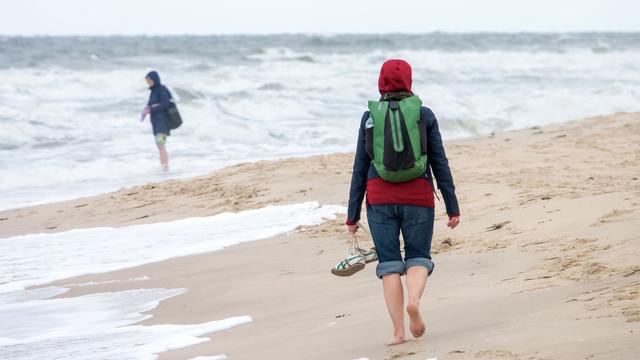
165,101
439,164
361,165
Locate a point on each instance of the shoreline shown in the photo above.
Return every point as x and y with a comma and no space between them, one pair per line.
85,212
548,238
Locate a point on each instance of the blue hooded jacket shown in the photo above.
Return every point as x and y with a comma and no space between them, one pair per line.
161,97
436,161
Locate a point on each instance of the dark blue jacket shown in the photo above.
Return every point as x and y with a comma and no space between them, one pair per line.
436,162
161,96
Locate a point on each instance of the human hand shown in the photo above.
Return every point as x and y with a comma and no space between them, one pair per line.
146,110
352,228
453,221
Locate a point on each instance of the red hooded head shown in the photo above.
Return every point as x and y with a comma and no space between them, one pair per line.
395,75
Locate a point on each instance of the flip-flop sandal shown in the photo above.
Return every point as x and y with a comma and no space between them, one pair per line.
356,258
349,266
369,255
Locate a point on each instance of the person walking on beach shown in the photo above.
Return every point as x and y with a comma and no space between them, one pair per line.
399,146
160,100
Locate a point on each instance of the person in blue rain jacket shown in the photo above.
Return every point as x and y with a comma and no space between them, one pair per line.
159,101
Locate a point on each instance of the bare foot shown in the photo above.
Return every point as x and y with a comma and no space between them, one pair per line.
416,325
395,340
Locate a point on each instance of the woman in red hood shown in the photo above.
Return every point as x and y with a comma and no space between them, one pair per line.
407,207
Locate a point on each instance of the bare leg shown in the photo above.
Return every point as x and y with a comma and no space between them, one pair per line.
164,157
394,297
416,282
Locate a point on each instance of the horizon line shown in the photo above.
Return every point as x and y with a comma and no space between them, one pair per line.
327,34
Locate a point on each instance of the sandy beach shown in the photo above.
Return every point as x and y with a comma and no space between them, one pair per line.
544,265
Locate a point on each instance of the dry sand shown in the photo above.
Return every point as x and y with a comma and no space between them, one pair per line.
544,265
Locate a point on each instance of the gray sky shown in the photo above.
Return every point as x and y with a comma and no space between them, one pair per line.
89,17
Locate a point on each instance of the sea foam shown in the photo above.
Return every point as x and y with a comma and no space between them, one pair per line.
41,258
38,323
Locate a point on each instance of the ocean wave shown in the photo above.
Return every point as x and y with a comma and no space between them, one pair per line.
281,54
272,86
71,129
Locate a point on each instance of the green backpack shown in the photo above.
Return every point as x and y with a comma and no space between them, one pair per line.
396,139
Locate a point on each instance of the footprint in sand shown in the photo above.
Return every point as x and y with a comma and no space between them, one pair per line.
612,216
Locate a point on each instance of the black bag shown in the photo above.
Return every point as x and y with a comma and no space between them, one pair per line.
175,120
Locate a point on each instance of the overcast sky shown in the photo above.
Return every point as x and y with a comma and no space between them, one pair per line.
88,17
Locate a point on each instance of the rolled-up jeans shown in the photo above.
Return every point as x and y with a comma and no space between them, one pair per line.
416,224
